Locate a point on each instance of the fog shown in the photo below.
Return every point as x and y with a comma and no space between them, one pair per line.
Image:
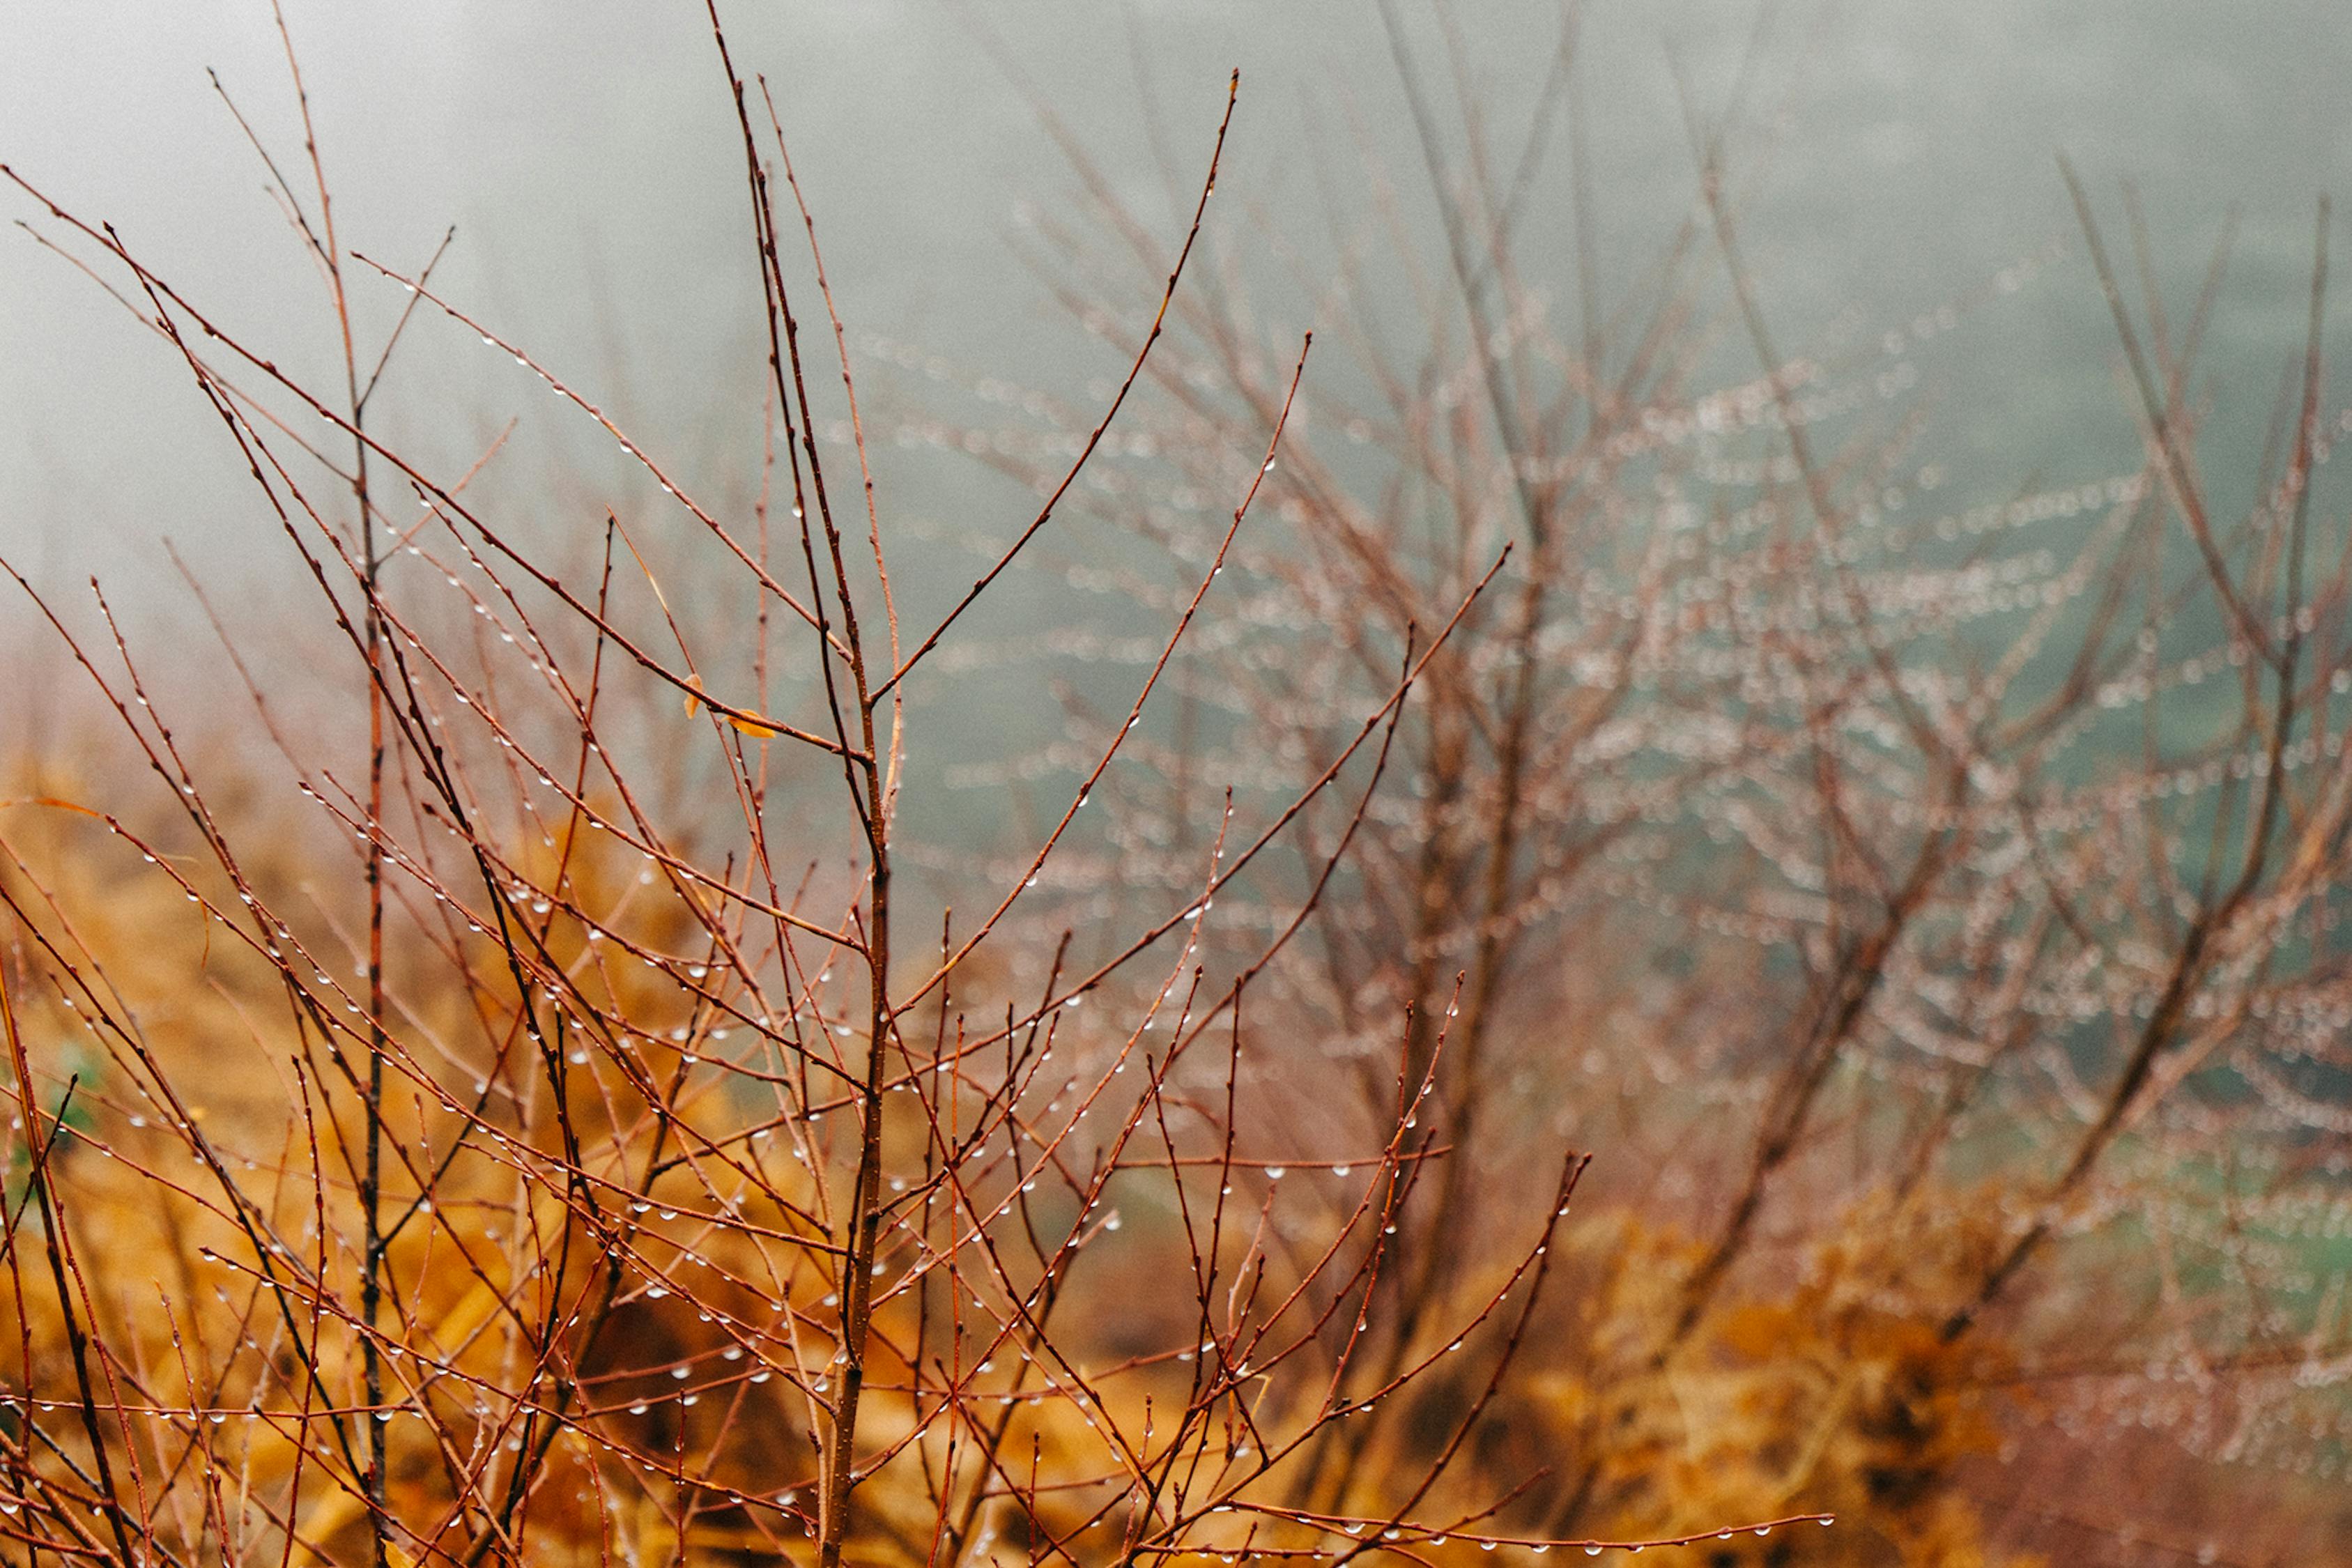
586,156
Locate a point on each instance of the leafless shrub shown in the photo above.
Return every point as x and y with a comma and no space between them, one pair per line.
1931,907
505,1154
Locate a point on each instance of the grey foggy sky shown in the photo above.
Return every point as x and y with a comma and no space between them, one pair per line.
585,151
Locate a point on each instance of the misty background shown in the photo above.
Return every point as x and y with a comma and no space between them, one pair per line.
586,155
1890,159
